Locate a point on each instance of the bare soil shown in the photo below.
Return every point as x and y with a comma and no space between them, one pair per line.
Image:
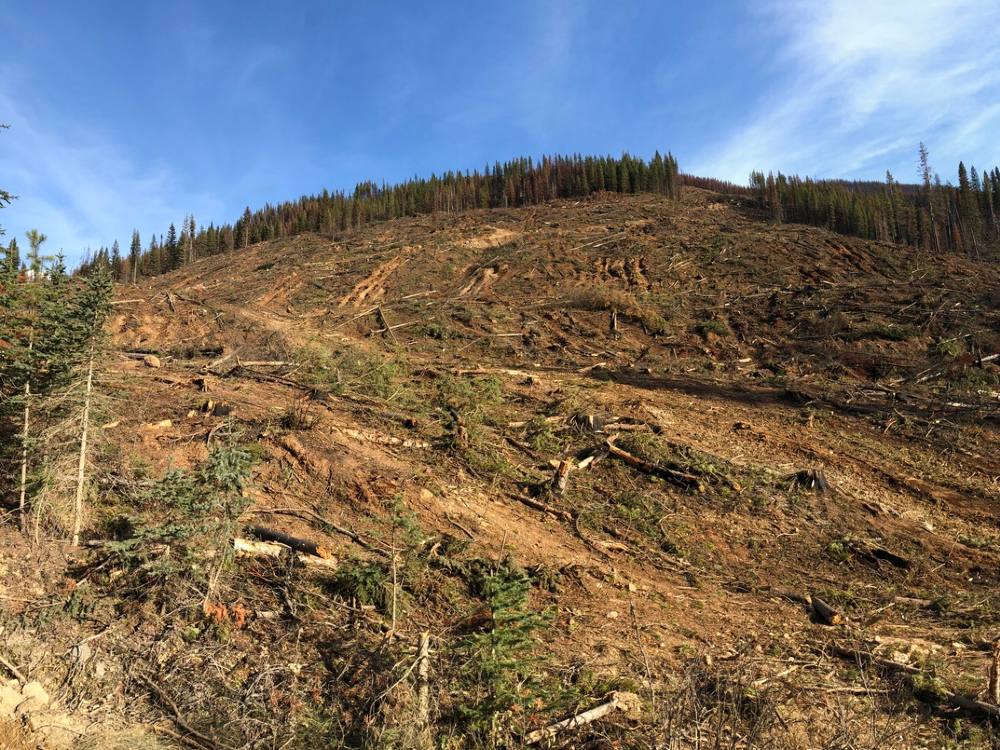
423,377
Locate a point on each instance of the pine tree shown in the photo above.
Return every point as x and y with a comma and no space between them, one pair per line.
134,256
92,306
13,256
36,261
172,249
117,265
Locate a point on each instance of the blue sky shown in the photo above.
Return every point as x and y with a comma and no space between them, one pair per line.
134,114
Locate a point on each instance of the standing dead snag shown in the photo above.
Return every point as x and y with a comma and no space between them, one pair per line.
24,451
81,471
993,683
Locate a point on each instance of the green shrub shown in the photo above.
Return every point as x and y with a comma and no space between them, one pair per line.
365,582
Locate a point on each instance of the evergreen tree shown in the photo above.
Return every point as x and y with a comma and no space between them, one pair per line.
172,249
134,256
36,261
116,262
13,256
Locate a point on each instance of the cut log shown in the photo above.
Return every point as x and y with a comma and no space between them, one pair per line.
811,479
299,545
823,612
252,548
561,478
619,700
876,554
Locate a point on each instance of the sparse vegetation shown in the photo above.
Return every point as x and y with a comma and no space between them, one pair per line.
414,468
625,304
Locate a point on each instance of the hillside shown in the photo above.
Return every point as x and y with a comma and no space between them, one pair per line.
755,419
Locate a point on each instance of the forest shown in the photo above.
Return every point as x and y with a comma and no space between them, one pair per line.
931,215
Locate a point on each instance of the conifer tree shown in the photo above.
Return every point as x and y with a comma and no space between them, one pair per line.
36,261
134,256
91,309
173,249
13,256
117,267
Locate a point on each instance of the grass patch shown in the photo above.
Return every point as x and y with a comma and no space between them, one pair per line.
712,326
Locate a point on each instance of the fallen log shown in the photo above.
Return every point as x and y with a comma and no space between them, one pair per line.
619,700
531,502
299,545
688,481
875,554
262,362
325,523
252,548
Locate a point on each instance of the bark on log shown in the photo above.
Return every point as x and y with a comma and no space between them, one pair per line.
254,548
299,545
824,613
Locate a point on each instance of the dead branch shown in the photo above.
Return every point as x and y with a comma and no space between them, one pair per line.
619,699
993,675
459,526
688,481
544,507
976,707
164,699
14,671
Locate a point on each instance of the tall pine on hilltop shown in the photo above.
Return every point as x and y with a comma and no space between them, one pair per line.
930,215
519,182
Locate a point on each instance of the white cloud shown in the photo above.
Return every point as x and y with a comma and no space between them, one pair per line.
866,81
77,186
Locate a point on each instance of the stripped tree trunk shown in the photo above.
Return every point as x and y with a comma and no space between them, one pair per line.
423,682
24,452
82,465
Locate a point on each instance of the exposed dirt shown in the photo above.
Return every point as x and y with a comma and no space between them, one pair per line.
744,353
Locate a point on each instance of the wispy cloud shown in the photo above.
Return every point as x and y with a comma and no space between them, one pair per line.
862,82
75,185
